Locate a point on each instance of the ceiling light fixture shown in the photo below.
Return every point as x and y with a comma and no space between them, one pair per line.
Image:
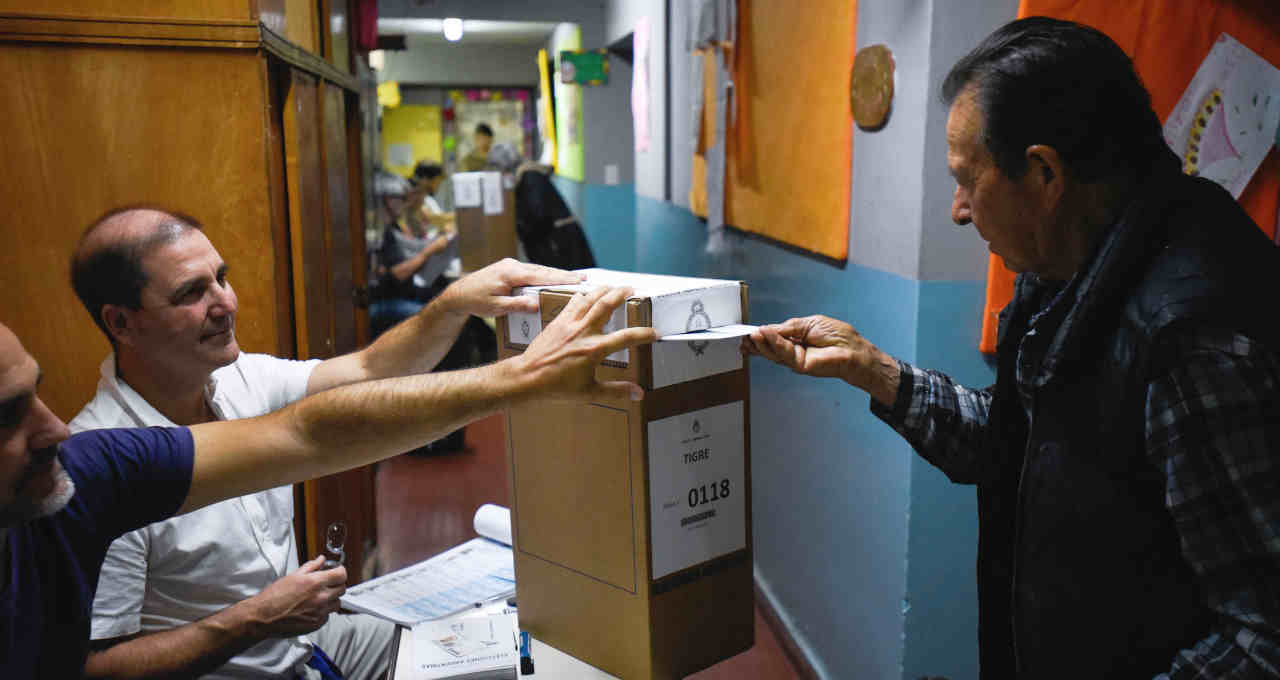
453,29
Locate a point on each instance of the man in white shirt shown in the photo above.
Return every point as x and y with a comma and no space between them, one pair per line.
186,596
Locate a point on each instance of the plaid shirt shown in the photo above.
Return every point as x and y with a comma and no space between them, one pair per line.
1213,430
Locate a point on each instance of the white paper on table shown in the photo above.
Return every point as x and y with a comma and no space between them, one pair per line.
466,190
1227,117
491,189
493,521
463,645
476,571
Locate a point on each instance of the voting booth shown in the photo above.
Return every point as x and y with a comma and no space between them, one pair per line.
632,520
486,211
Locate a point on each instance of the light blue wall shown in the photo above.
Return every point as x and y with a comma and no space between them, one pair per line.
866,551
830,482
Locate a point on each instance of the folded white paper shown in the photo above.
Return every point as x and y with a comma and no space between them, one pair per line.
736,330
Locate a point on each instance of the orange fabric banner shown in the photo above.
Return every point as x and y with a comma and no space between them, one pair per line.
1167,40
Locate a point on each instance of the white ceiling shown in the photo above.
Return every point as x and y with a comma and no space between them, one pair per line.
474,31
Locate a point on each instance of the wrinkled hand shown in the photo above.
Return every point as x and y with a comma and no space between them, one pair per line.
824,347
561,361
488,292
301,601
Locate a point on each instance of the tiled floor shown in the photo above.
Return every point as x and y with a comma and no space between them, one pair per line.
425,506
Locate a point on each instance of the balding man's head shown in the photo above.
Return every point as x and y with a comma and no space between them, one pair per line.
106,268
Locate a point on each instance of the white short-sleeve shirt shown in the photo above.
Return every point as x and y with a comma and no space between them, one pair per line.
186,568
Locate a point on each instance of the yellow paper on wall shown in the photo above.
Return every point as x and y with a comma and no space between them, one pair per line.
389,94
410,134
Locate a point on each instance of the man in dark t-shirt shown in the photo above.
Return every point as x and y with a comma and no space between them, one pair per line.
63,500
102,469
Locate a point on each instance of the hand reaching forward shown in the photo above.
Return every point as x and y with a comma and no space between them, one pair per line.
487,292
827,348
301,601
561,361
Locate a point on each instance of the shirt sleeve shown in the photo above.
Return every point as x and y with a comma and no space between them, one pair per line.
128,478
1213,430
279,381
122,586
944,422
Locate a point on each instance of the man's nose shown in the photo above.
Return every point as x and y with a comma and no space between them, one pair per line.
224,300
960,213
47,428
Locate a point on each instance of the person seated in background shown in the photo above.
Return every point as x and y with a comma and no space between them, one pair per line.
549,233
64,498
432,175
187,596
402,282
478,159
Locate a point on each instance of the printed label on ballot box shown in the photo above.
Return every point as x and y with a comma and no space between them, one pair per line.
697,501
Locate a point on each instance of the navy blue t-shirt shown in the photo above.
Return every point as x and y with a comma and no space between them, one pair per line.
125,479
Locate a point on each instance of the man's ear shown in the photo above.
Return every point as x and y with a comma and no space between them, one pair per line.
1046,173
119,323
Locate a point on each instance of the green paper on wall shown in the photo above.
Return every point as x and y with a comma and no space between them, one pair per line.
586,67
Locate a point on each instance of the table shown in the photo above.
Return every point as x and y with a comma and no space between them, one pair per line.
548,662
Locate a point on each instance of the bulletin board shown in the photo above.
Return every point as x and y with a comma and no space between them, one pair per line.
1167,40
570,124
504,116
410,134
789,149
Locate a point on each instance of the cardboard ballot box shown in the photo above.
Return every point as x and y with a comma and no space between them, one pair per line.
632,520
486,218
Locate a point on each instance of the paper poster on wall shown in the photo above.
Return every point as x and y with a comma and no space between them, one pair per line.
1225,122
697,497
491,190
466,190
640,85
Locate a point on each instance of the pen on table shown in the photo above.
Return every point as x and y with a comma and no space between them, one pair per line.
526,661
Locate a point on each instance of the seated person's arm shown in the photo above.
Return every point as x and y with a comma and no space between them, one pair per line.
418,343
296,604
354,425
403,271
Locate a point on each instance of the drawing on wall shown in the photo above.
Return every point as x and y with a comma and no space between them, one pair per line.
1225,122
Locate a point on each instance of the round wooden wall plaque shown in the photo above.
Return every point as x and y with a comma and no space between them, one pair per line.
871,86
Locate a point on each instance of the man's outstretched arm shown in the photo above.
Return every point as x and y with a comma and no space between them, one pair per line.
355,425
418,343
944,422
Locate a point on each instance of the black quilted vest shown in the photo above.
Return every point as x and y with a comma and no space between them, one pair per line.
1079,569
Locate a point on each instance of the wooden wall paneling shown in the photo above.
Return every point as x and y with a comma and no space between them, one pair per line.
188,10
30,28
360,278
342,253
277,78
301,26
356,181
308,237
271,13
76,146
337,32
317,179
